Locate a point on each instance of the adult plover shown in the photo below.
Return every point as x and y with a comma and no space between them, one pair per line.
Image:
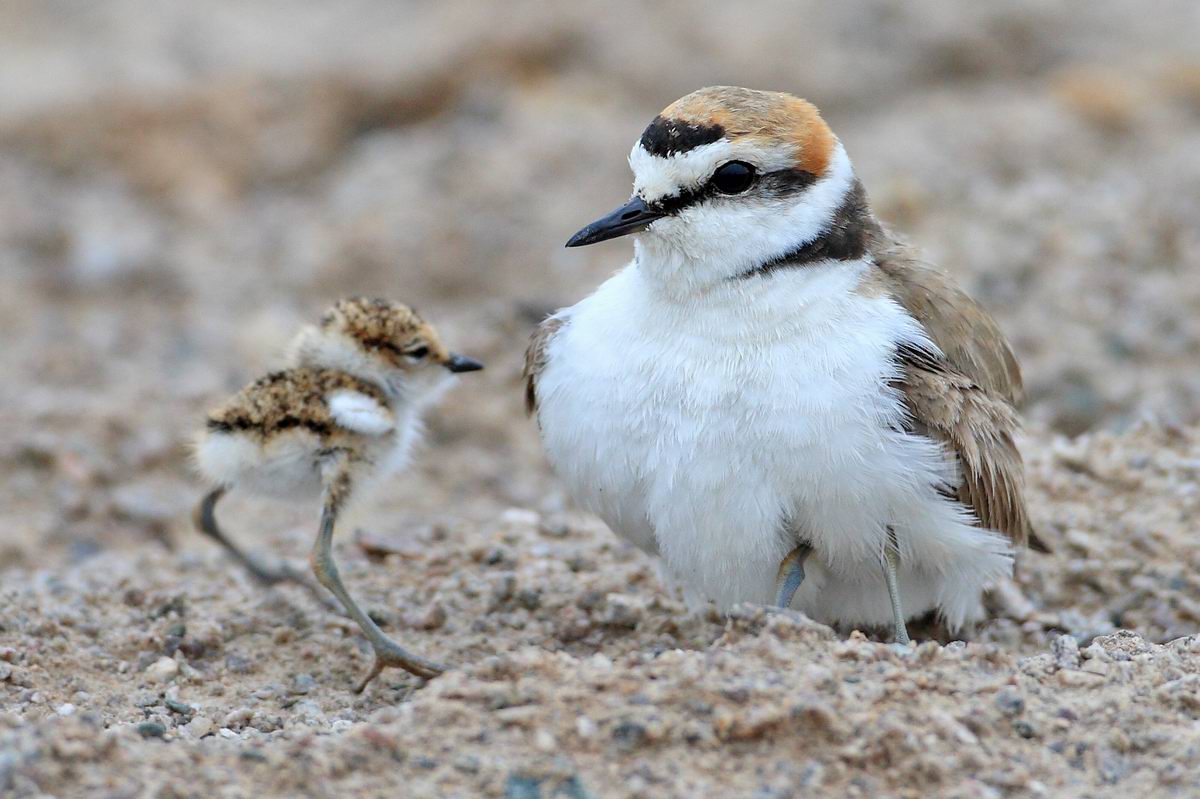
775,395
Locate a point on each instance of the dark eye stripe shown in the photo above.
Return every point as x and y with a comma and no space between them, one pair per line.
382,344
781,183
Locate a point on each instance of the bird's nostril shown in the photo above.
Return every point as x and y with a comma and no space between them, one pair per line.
625,217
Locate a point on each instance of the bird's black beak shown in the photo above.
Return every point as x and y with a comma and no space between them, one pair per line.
632,217
461,363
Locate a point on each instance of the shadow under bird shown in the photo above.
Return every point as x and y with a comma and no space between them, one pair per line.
775,395
346,411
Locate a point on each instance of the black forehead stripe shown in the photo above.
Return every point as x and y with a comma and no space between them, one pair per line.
666,137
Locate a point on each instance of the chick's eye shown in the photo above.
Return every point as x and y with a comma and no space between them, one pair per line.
417,353
733,178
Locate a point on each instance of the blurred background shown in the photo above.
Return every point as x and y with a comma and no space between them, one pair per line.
183,184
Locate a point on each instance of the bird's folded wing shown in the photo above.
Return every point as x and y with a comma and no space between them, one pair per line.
967,334
975,425
360,413
535,357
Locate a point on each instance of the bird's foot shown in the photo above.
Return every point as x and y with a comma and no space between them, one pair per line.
388,653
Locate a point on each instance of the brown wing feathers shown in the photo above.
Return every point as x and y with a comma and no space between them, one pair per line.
966,396
535,358
978,427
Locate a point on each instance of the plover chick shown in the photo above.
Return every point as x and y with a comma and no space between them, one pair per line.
346,411
775,395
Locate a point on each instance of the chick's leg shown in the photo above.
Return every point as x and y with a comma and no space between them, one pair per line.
891,563
206,521
387,651
791,575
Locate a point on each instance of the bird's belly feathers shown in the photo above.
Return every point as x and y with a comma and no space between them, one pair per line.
720,449
289,465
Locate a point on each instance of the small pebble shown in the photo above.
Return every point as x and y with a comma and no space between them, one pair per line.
522,517
518,786
585,728
65,709
1025,729
164,669
308,711
1010,702
497,556
198,727
467,764
629,735
237,718
589,600
556,529
432,618
622,611
1066,652
502,591
303,683
151,729
529,598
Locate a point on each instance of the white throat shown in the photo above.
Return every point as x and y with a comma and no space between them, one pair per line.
709,243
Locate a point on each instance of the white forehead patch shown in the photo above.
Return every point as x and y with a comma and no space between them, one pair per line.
656,177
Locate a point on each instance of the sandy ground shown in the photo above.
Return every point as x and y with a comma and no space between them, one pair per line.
182,185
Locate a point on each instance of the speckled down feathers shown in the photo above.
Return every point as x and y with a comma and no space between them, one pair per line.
292,398
383,325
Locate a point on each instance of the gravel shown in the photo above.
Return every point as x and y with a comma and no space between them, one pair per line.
179,191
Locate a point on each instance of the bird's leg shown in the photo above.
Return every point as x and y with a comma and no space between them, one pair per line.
791,575
206,521
387,651
891,562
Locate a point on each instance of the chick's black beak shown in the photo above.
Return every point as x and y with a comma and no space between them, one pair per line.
632,217
461,363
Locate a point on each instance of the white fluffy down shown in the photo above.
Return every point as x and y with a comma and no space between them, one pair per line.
360,413
720,430
284,466
288,464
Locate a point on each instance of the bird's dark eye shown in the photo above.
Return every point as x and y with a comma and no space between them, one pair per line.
417,353
733,178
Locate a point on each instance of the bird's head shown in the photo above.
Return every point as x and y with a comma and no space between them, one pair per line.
726,180
381,341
